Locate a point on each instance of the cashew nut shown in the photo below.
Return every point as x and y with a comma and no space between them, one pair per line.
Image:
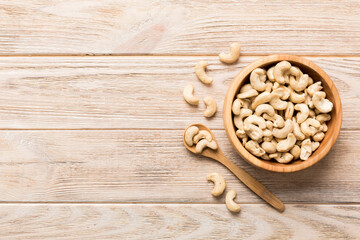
269,125
254,132
297,132
188,94
281,72
284,157
277,120
321,103
203,143
318,136
268,147
245,88
277,103
324,127
201,135
311,81
283,132
274,155
263,97
314,146
295,72
254,148
289,111
305,126
189,135
248,94
299,84
313,88
253,119
264,108
201,74
238,119
230,203
270,74
233,56
267,135
308,101
257,79
306,149
323,117
276,85
311,113
266,157
283,92
287,144
268,87
295,151
240,133
297,98
303,113
219,183
210,107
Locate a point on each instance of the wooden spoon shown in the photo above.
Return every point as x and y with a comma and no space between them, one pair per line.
243,176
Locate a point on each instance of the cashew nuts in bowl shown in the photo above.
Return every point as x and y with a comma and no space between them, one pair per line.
281,114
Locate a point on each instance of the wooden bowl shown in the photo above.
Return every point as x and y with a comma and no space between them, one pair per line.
317,74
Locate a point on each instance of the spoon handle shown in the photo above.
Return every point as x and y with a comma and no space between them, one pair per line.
253,184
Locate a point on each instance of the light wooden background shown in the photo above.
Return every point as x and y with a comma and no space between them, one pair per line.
91,118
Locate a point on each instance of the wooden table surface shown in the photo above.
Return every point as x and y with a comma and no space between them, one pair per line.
92,115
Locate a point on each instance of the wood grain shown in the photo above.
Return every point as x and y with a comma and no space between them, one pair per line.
179,27
154,166
177,221
132,92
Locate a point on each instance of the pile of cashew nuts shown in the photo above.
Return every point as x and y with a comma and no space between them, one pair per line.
219,188
281,114
188,92
200,138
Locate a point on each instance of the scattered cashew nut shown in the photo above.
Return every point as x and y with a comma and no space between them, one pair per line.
211,107
201,74
219,183
233,56
188,94
230,203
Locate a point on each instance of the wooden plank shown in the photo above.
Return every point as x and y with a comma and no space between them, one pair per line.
185,27
154,166
177,221
131,92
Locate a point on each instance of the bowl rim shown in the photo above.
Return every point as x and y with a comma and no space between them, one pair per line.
230,128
